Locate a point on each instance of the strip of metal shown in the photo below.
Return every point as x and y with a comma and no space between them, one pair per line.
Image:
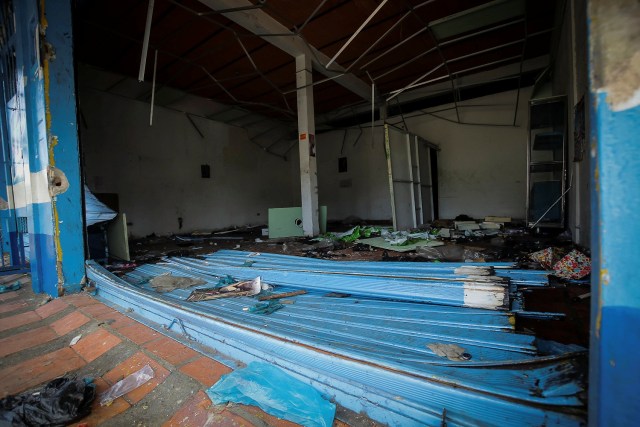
467,70
194,125
418,272
477,33
396,93
524,47
145,42
153,87
311,16
387,150
378,40
394,48
353,36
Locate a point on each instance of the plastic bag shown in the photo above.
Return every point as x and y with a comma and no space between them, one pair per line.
58,403
126,385
276,393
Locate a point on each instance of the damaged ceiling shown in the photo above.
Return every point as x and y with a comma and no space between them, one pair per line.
240,53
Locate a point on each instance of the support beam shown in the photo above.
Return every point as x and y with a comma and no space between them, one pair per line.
306,144
260,23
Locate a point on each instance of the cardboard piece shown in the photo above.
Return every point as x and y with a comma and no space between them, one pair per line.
118,238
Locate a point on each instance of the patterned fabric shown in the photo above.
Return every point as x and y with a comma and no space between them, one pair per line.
574,265
547,258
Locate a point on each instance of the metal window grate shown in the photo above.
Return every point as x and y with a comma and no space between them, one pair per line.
21,224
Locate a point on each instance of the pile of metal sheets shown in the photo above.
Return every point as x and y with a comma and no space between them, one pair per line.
379,350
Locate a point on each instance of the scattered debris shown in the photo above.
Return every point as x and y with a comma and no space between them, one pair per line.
337,295
275,392
126,385
10,288
450,351
238,289
282,295
60,402
355,233
499,219
547,258
574,265
266,307
168,283
75,340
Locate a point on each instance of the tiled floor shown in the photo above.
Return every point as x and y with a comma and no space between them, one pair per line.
35,339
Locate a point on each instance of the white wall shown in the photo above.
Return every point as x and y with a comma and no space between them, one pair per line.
481,168
156,170
368,195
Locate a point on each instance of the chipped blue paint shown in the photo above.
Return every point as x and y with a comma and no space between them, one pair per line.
25,154
66,153
615,337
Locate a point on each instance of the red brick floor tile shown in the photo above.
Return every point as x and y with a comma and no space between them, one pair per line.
18,320
97,309
30,373
80,300
51,308
139,333
198,411
115,320
69,323
205,370
267,418
100,414
131,365
171,351
96,344
13,306
25,340
10,295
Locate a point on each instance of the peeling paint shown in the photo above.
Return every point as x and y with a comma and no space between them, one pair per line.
616,53
58,182
52,141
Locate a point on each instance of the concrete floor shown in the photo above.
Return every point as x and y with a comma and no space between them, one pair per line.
35,338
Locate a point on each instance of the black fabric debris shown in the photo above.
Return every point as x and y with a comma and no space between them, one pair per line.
58,403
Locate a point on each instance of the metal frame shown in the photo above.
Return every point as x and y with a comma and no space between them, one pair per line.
563,192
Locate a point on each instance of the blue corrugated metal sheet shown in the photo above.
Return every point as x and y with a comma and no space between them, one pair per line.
373,354
94,210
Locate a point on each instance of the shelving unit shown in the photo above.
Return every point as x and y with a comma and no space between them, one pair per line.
547,162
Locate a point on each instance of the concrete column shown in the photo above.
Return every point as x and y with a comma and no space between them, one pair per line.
65,183
307,147
46,183
614,37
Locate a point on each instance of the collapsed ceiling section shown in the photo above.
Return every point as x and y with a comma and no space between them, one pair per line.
241,53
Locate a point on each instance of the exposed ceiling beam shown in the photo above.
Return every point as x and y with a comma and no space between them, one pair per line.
261,24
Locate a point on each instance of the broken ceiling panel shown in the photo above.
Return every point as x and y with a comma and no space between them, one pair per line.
205,53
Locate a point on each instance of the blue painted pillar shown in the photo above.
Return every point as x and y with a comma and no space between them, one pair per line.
614,42
45,172
62,139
